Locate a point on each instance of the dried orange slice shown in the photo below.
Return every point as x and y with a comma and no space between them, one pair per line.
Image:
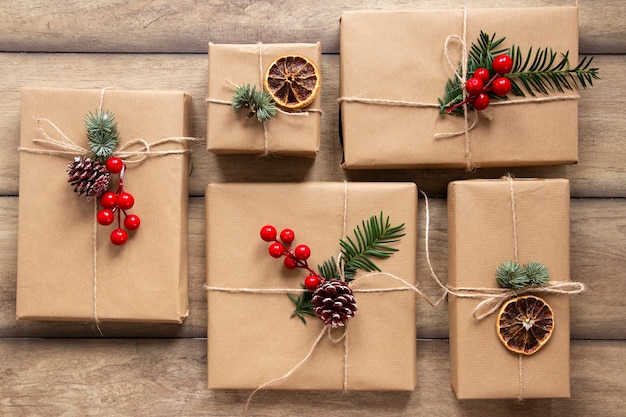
293,81
525,324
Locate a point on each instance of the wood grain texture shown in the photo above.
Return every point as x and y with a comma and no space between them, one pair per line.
67,369
601,171
186,26
167,377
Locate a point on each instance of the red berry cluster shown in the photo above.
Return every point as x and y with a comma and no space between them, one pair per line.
294,257
119,201
482,83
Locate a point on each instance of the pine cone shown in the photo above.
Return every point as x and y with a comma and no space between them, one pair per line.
88,177
334,303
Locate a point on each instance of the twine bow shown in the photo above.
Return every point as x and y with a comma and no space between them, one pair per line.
266,134
470,119
133,153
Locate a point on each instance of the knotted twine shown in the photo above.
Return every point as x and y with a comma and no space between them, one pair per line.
494,298
133,153
266,135
326,330
470,164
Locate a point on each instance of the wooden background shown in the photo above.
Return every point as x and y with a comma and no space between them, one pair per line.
160,370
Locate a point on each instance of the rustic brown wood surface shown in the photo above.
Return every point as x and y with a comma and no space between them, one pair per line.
65,368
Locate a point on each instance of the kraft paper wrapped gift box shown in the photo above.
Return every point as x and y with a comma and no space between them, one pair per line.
399,56
67,267
252,337
481,237
295,133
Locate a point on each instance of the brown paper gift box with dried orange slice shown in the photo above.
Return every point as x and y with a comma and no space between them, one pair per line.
481,237
295,133
399,56
252,338
67,267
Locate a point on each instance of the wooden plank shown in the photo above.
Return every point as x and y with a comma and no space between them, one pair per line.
601,171
598,237
167,377
186,26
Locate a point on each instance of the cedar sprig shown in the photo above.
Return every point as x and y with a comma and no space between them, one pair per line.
259,103
372,239
103,134
541,72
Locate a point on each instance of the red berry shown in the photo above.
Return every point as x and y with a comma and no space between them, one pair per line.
119,237
114,165
312,282
501,86
276,250
108,200
105,217
481,102
132,222
302,252
125,201
287,236
502,64
268,233
482,74
290,262
474,86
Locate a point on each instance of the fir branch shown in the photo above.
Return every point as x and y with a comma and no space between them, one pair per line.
303,304
540,72
257,102
372,241
545,74
103,134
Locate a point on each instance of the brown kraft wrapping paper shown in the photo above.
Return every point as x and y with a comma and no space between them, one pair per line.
399,56
480,225
253,339
63,273
230,132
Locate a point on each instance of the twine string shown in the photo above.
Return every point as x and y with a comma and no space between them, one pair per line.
65,146
494,298
468,125
266,134
326,331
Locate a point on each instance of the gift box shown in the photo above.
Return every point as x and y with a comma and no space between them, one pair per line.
252,338
295,133
484,219
68,269
394,68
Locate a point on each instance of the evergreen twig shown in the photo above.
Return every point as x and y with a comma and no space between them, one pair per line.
540,72
103,134
259,103
372,239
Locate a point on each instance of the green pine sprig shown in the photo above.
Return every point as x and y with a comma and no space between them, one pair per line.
303,304
372,239
512,275
539,72
546,73
259,103
102,133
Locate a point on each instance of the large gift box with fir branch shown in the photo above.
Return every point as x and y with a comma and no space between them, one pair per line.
395,66
294,132
68,268
526,222
253,339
